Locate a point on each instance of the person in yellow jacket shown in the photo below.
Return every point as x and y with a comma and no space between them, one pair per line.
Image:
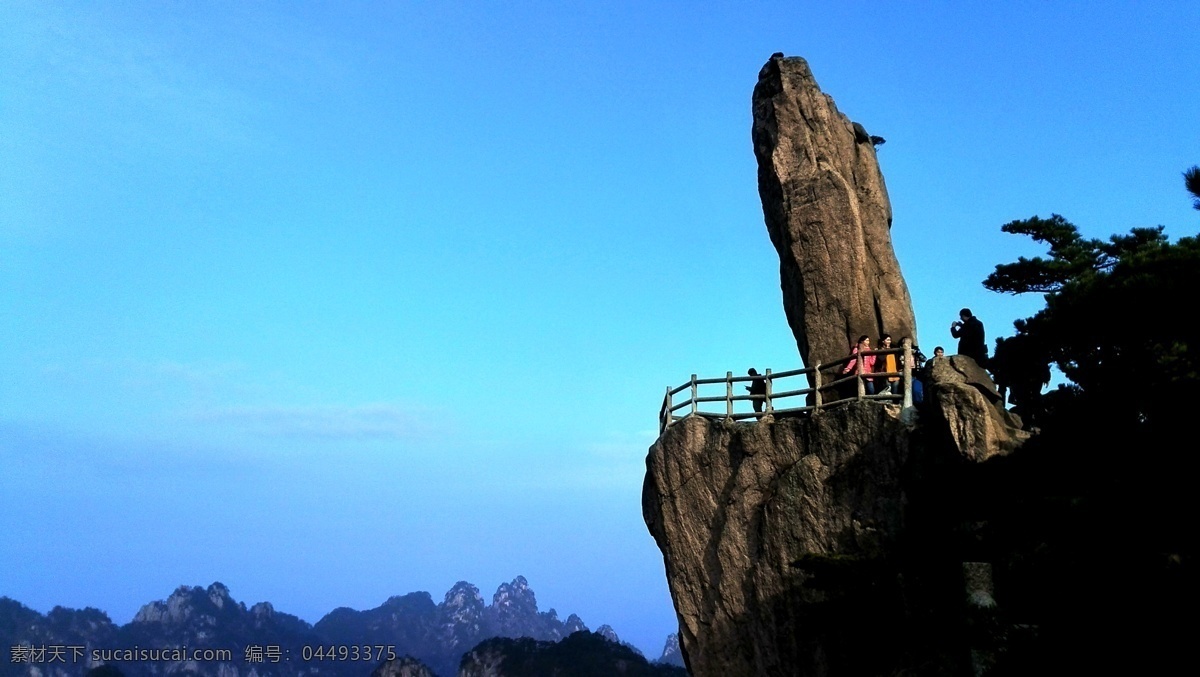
887,385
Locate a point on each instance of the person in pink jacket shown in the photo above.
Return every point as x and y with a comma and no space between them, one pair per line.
868,365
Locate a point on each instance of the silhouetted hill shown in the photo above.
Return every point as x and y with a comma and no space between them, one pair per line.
582,654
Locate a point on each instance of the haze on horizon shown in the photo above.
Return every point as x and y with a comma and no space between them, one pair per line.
333,302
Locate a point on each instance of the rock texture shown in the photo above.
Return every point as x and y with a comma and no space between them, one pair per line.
829,544
828,214
972,409
755,520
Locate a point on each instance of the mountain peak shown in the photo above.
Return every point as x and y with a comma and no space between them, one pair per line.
606,631
437,635
218,594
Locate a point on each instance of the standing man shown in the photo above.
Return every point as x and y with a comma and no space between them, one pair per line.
969,332
758,390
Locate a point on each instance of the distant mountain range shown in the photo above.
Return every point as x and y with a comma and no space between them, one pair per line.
205,632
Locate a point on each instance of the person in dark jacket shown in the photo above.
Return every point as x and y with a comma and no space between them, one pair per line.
938,353
969,332
918,373
758,390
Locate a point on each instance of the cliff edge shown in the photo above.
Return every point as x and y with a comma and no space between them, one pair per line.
832,543
752,521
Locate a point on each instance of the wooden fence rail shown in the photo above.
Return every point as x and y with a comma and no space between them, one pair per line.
823,391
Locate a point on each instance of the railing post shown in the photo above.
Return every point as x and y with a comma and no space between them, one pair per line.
817,387
858,371
664,419
729,394
769,407
693,394
908,373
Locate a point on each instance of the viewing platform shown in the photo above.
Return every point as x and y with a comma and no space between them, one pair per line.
824,386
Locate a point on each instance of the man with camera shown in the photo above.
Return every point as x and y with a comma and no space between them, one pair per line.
969,332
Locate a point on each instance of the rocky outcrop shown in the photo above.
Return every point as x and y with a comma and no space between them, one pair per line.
828,215
671,654
831,543
573,625
971,410
827,544
460,622
606,631
756,523
514,609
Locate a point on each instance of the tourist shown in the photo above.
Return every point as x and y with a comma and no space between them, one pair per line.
938,353
757,389
868,365
918,373
969,332
887,385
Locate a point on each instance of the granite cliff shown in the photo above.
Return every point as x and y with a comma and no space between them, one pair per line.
831,542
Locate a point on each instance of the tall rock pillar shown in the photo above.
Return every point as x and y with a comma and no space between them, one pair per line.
830,543
828,215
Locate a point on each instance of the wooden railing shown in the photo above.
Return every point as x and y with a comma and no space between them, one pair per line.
827,380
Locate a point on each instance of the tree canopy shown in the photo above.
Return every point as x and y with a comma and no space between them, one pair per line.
1114,316
1191,181
1092,523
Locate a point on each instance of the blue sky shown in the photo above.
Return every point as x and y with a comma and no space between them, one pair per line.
334,301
